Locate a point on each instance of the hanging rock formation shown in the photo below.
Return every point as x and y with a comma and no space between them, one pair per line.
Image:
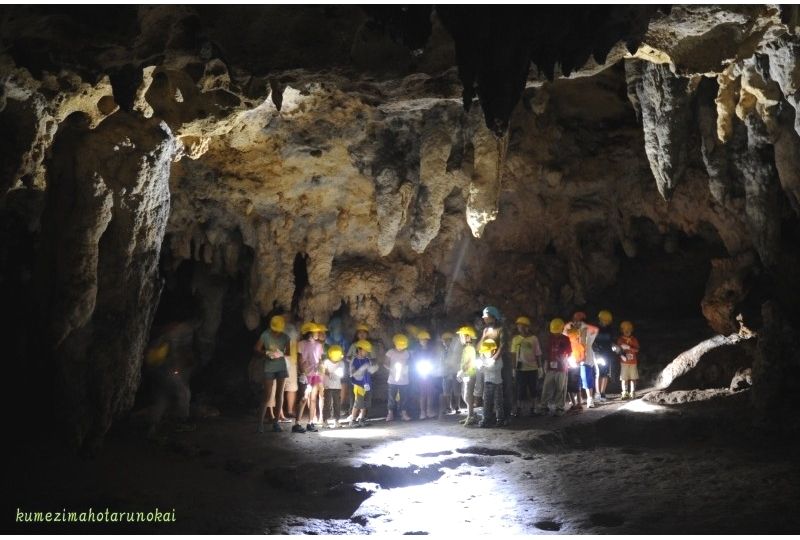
229,137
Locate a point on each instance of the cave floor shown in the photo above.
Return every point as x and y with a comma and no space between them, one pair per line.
624,467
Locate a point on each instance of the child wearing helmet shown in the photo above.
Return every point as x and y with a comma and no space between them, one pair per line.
468,371
586,334
604,355
451,387
629,373
554,389
332,373
492,384
423,365
310,351
273,344
361,378
397,362
528,357
362,333
493,329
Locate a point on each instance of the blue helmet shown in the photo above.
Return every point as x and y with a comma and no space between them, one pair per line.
493,312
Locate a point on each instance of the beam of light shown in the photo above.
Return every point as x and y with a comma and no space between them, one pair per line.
424,367
462,250
414,450
642,406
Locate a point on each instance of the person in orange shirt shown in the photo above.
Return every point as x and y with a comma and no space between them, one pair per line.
573,374
629,358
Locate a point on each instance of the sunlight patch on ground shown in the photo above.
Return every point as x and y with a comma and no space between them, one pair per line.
641,406
422,450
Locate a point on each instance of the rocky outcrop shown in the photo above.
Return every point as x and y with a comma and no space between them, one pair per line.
102,226
710,364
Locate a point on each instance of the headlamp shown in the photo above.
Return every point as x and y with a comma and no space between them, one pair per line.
424,367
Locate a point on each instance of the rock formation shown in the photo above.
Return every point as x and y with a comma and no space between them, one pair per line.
247,140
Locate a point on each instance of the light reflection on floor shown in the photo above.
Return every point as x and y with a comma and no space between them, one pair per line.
465,500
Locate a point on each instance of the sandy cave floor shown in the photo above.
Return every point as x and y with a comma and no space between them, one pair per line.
624,467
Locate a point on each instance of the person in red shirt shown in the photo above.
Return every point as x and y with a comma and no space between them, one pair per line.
629,359
554,389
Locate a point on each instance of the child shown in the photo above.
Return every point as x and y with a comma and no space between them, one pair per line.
274,345
361,377
555,378
604,352
573,372
397,362
528,358
492,385
585,360
362,333
468,371
629,359
310,351
451,387
423,365
332,373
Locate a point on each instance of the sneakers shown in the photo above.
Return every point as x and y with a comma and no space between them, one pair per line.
485,424
471,420
404,416
276,428
390,416
502,423
259,429
297,428
311,427
632,395
517,412
422,416
590,404
624,395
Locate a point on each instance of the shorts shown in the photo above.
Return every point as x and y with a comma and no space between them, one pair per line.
587,377
451,386
314,379
603,370
362,402
272,365
573,380
272,375
628,372
291,381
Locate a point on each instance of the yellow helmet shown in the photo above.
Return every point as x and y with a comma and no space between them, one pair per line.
626,326
448,335
556,326
335,353
307,327
487,346
605,317
319,327
423,334
155,356
468,331
364,344
362,327
400,341
277,323
523,320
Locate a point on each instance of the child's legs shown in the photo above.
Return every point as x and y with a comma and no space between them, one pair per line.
336,398
499,403
489,391
469,397
391,399
269,387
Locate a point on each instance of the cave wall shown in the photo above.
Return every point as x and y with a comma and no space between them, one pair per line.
216,133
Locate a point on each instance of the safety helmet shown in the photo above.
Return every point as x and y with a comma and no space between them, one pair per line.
307,327
321,328
277,323
448,336
487,346
364,344
523,320
556,326
605,317
579,316
362,327
335,353
467,331
400,341
423,334
626,326
491,311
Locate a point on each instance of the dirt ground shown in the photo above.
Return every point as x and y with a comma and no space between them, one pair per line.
624,467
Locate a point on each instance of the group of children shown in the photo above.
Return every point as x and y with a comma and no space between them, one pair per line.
429,381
